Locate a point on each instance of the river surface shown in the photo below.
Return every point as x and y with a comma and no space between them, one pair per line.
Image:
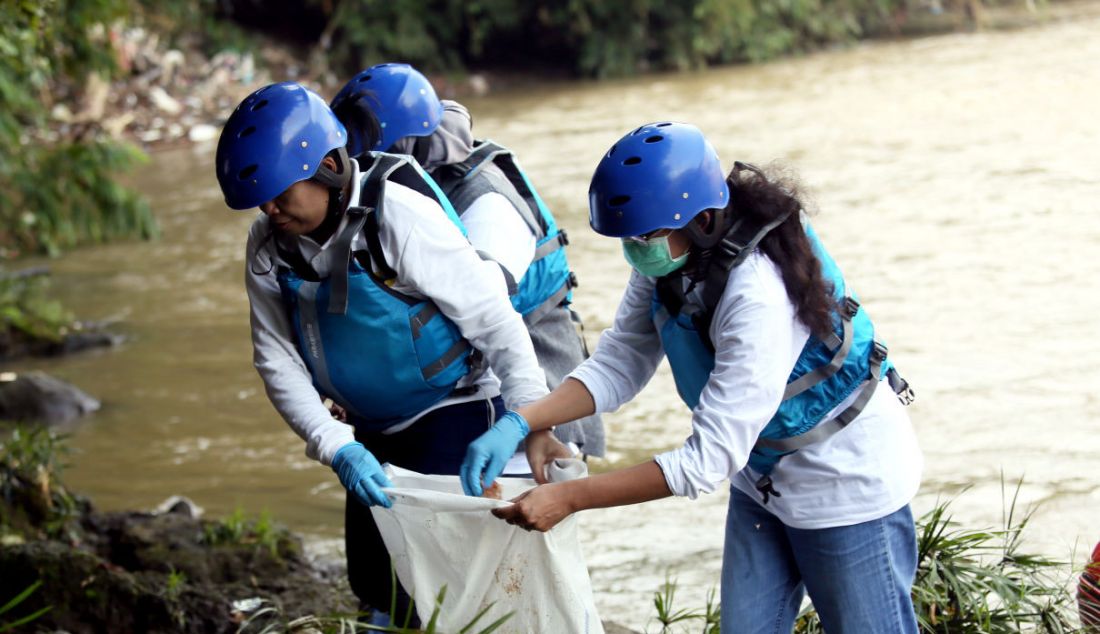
957,180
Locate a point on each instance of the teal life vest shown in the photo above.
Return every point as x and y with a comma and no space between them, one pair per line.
827,372
382,355
492,168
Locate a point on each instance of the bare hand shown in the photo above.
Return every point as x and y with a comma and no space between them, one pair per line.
540,508
542,448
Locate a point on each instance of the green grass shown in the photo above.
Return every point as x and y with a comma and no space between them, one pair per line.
8,626
31,495
237,529
268,619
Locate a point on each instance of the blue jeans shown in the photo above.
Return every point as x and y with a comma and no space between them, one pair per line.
858,577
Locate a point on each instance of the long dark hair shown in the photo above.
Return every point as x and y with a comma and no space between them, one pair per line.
763,199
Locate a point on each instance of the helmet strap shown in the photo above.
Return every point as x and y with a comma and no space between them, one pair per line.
706,236
336,181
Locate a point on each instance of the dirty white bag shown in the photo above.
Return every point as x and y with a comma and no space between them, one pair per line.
437,536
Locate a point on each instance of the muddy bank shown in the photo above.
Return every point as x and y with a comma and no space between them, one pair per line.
138,572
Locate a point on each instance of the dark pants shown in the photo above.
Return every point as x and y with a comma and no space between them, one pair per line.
435,444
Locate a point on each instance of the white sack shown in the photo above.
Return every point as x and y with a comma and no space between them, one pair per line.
437,536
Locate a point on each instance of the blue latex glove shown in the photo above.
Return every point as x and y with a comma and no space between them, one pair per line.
361,474
487,455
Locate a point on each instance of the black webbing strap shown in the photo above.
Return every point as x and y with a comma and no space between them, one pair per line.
738,243
294,259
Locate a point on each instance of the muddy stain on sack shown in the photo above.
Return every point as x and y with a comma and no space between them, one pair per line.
509,576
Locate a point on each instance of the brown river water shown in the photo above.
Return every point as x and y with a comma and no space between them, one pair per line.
957,179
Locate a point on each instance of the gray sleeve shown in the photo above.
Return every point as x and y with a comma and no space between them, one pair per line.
275,355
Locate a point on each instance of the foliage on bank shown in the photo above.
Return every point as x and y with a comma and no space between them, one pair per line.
58,190
591,37
982,581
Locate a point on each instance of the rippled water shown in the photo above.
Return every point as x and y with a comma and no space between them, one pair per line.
957,180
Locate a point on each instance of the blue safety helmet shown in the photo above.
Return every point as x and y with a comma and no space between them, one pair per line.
659,176
400,97
276,137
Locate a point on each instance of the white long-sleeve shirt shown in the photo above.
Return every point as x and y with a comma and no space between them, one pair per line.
494,226
433,260
868,470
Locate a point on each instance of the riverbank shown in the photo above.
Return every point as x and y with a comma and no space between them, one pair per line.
166,96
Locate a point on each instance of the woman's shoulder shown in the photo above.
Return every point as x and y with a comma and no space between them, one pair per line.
758,276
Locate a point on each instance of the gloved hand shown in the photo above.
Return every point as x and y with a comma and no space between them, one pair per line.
487,455
361,474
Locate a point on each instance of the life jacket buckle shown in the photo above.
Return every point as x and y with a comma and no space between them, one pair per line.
563,238
901,387
878,352
572,281
851,307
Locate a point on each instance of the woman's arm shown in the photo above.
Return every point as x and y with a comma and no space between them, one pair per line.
568,402
275,355
543,507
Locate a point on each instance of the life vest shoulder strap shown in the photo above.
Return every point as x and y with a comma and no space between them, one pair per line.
488,152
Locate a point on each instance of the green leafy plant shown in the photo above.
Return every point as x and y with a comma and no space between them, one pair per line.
8,626
31,495
174,583
58,190
237,529
982,581
27,313
668,616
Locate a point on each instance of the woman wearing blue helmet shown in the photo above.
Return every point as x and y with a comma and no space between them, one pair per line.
781,368
503,214
363,289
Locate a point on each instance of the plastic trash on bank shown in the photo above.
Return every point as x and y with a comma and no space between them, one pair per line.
437,536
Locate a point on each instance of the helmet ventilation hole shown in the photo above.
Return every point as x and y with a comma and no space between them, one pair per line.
612,150
656,138
663,125
618,201
260,104
637,130
364,78
247,131
246,172
634,160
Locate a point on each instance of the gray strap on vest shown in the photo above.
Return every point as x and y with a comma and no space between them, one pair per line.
810,379
551,245
482,154
448,357
421,319
315,350
827,428
341,258
550,304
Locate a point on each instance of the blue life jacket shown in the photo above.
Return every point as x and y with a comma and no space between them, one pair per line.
826,373
382,355
492,168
